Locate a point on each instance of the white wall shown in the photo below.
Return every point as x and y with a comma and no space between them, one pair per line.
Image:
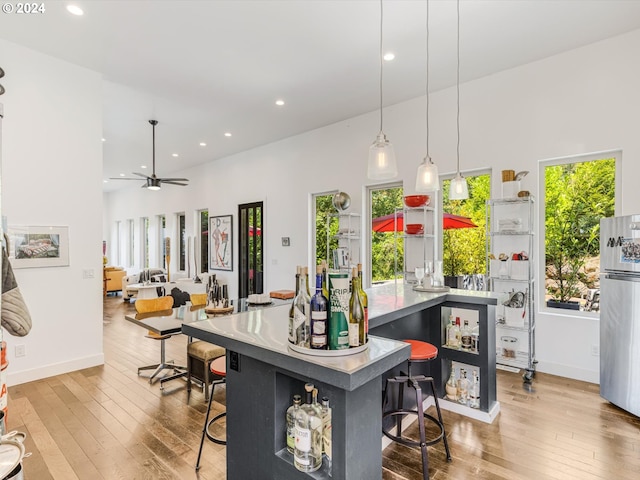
582,101
51,175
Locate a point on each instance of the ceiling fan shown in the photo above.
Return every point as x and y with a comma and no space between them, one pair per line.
153,182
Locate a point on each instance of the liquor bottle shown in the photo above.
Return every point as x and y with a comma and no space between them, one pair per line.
465,336
301,308
291,422
474,391
356,313
326,428
463,387
451,387
319,314
365,306
307,455
451,335
458,333
475,338
292,330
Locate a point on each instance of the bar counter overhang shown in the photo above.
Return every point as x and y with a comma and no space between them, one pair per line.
263,373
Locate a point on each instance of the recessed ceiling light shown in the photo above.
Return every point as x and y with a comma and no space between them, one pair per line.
280,102
104,139
227,134
202,144
75,10
143,166
105,181
122,175
389,56
174,154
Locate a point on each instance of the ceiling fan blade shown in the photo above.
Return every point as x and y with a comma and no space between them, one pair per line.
170,182
124,178
173,179
140,174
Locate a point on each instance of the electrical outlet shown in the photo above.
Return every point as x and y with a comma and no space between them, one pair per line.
595,350
21,350
234,361
86,274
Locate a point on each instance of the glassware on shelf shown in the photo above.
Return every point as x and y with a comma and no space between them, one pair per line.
438,276
419,272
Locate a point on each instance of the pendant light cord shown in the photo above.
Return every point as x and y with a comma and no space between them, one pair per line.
427,82
458,87
381,69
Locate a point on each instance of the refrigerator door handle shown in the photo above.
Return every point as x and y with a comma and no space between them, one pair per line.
627,277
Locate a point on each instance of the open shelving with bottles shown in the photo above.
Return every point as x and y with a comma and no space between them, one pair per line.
510,261
420,247
343,246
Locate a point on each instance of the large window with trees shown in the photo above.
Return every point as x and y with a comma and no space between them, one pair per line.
203,231
162,233
144,241
464,246
323,206
577,193
182,242
385,264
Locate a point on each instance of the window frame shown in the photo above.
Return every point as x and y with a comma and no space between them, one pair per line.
541,224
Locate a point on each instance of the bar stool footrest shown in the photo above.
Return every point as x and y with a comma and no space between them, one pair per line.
211,422
412,443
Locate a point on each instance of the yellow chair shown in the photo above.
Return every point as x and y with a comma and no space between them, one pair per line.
198,299
153,305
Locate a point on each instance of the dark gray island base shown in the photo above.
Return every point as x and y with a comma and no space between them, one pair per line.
263,374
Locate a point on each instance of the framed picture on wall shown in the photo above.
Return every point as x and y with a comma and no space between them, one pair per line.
31,247
221,243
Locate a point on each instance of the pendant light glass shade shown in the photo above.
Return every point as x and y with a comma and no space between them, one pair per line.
382,159
427,176
458,190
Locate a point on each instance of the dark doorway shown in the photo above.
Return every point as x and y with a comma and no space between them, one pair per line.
250,244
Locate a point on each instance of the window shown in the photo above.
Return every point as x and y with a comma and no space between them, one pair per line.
182,242
323,206
463,247
577,193
204,240
118,249
144,241
162,234
250,246
130,243
384,265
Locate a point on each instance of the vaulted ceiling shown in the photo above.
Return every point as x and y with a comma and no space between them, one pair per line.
206,68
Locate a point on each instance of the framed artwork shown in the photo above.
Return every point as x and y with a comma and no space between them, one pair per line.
221,244
31,247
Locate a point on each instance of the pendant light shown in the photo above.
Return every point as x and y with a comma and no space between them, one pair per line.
458,189
427,177
382,158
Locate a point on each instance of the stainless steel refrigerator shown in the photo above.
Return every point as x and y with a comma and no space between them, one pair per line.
620,311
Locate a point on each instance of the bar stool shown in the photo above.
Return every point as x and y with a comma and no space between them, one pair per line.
420,352
219,369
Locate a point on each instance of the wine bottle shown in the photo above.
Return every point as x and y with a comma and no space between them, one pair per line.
325,290
301,307
291,422
356,313
307,455
319,314
292,329
326,428
339,302
365,306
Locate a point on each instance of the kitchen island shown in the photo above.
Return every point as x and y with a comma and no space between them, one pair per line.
263,374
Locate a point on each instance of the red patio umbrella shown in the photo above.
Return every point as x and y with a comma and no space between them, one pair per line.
387,223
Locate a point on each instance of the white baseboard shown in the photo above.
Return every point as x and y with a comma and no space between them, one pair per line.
569,372
24,376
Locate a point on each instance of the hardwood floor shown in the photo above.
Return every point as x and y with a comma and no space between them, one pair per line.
107,423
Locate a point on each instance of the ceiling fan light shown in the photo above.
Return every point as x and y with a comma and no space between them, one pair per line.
458,190
382,159
153,184
427,177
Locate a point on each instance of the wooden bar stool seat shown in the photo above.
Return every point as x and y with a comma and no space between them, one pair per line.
420,352
218,369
